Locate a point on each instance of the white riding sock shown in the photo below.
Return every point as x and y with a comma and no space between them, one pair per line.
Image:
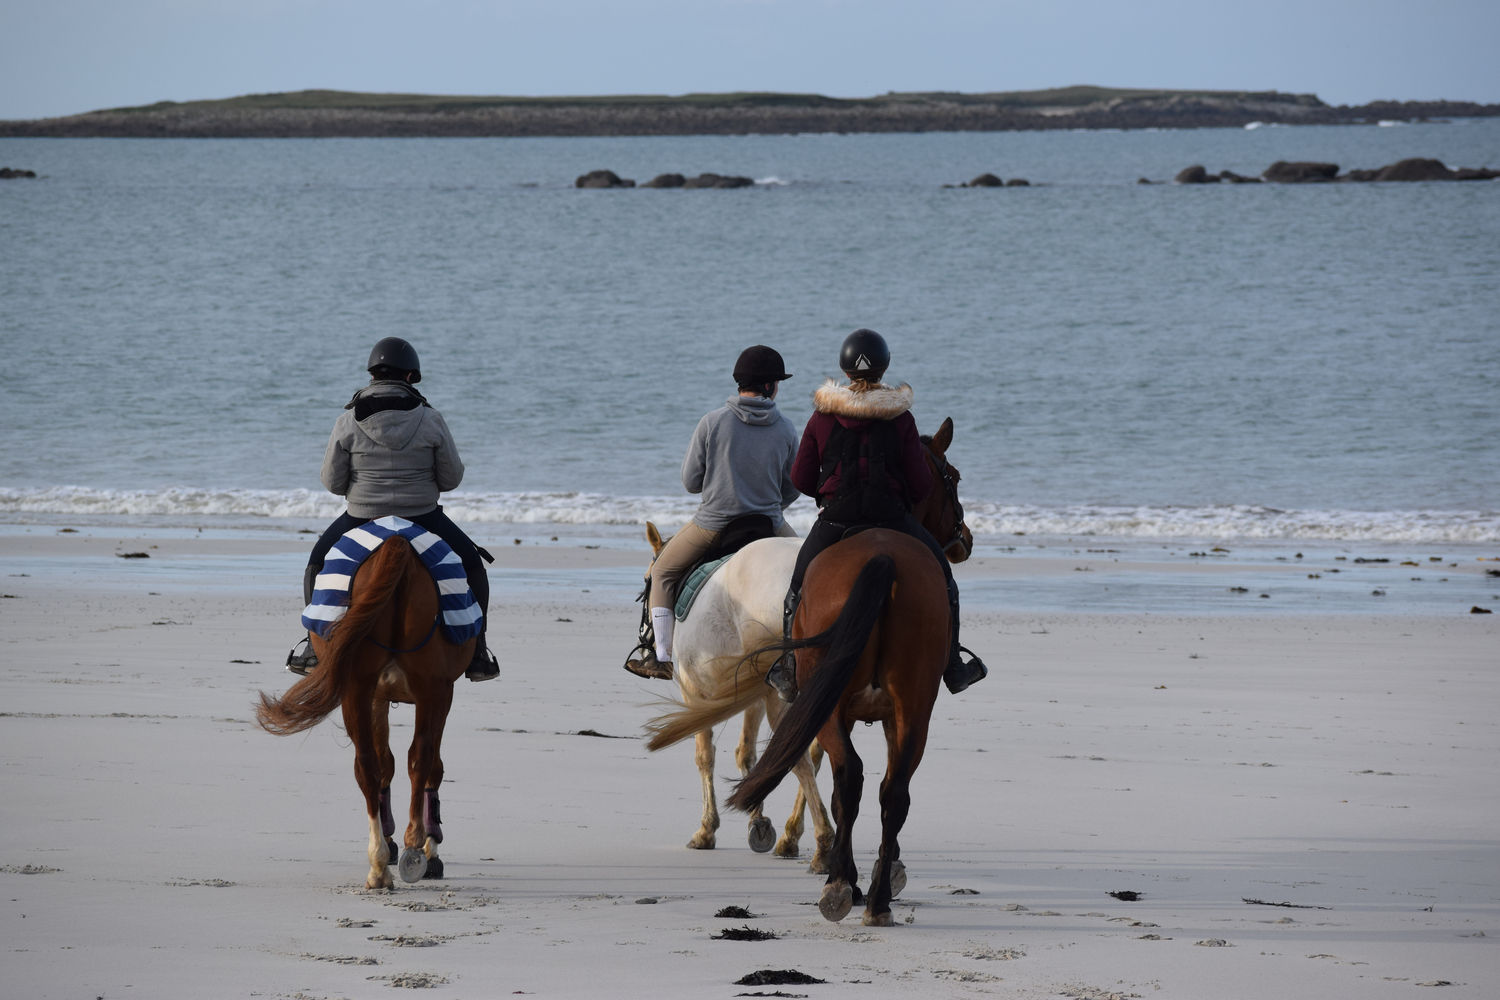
661,623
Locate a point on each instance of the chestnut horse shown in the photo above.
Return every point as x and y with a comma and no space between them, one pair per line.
871,637
386,648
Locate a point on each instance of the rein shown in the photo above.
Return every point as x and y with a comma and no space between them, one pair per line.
950,488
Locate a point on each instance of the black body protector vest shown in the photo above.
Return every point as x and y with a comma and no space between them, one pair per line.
867,492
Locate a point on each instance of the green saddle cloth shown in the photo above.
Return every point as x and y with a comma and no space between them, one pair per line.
694,583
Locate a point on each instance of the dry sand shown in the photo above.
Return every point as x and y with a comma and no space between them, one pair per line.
1338,769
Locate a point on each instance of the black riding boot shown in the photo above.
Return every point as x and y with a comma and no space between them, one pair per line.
302,662
483,667
960,673
783,673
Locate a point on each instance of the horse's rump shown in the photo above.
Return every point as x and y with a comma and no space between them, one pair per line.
371,594
738,609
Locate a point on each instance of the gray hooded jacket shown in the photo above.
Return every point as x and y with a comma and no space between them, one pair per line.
390,453
740,459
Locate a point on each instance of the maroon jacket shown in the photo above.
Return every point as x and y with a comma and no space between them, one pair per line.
838,404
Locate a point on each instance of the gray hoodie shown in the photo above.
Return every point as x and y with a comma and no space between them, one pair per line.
390,453
740,459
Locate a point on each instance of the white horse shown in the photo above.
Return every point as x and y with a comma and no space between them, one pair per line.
738,611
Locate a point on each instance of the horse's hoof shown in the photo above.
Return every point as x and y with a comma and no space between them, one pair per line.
762,835
878,919
898,880
390,851
702,842
434,868
836,902
413,865
788,848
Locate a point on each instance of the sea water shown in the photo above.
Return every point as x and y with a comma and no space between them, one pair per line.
1282,365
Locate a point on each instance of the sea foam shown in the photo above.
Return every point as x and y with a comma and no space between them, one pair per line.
986,519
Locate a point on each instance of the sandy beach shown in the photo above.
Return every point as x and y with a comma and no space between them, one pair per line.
1304,802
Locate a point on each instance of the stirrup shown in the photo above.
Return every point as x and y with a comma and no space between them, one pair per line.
483,667
962,673
647,665
783,677
301,663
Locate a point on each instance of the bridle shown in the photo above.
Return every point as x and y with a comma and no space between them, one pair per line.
950,488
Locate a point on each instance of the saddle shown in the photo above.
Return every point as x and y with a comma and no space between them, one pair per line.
735,535
459,611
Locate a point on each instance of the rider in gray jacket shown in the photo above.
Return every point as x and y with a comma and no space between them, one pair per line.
740,460
392,453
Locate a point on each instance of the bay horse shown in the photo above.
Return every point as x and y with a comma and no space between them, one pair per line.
718,673
386,648
871,638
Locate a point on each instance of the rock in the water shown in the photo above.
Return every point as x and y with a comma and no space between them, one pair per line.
712,180
666,181
1282,172
602,179
1196,174
1415,169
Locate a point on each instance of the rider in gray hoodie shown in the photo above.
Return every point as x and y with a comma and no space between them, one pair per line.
740,460
391,453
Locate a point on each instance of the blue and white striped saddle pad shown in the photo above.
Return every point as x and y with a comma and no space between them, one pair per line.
460,612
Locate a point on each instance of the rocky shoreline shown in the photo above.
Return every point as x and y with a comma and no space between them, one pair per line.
327,114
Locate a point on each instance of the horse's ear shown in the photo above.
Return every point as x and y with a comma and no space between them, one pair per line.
653,536
944,437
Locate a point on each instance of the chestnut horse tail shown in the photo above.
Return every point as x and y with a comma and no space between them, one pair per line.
845,640
308,702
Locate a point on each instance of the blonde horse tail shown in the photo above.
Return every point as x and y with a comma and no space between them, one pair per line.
705,712
310,700
845,640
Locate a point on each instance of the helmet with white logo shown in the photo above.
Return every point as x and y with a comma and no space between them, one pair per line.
864,356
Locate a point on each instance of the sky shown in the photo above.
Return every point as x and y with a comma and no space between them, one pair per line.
61,57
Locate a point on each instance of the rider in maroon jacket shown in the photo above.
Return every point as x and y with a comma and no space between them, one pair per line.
861,459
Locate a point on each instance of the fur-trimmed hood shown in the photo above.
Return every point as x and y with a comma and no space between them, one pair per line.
879,402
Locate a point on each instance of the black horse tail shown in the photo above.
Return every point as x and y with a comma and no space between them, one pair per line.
846,639
310,700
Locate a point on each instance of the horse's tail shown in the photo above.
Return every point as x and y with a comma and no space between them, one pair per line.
308,702
706,711
846,639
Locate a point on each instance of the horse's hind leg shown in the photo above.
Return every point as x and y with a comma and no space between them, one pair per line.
424,763
762,831
808,799
359,722
381,725
841,891
703,754
811,799
889,876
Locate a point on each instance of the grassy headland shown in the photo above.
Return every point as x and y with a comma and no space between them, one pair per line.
330,113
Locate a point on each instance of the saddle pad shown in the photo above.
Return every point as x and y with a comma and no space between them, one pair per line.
694,583
460,612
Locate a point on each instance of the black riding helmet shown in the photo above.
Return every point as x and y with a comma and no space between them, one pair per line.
864,356
395,353
759,365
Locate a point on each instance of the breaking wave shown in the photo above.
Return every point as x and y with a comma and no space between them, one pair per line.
986,519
